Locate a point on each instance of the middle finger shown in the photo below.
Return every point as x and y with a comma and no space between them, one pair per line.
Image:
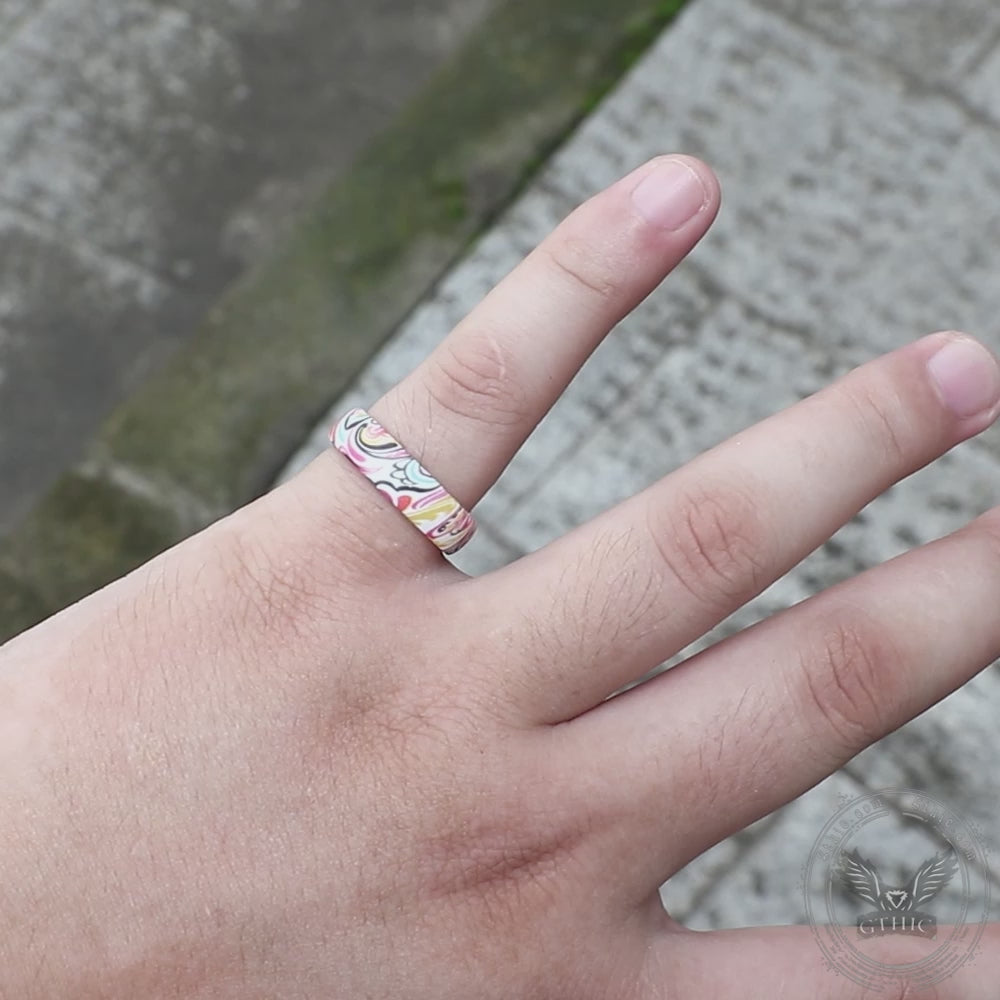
605,604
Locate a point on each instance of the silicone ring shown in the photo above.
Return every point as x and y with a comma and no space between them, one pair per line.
399,477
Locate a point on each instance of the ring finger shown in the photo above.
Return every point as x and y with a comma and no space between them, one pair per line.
750,724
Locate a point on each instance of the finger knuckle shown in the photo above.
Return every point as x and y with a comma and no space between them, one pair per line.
582,263
710,541
478,380
882,419
849,671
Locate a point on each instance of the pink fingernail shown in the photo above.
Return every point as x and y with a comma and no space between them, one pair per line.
671,196
967,377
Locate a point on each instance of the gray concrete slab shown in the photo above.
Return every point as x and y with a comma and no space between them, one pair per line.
151,153
857,216
935,40
11,13
983,84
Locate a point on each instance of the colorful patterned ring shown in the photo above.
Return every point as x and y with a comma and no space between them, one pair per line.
399,477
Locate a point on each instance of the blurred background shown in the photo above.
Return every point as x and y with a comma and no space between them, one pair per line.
151,153
222,220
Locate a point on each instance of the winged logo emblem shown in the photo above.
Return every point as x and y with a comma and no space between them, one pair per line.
860,877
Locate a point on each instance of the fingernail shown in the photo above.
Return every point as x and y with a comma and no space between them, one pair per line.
967,377
671,196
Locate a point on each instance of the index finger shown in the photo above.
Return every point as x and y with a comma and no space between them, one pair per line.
466,410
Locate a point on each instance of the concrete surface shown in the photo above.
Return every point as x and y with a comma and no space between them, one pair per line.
857,146
151,153
211,428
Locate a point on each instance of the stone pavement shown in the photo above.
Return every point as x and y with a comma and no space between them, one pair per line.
859,149
213,425
152,151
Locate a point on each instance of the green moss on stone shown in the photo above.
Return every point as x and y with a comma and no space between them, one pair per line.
20,605
220,420
639,33
223,418
85,533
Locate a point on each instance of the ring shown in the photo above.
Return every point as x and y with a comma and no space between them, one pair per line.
399,477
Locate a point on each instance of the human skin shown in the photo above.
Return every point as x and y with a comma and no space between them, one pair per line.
301,756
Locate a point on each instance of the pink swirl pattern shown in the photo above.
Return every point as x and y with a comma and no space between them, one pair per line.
402,480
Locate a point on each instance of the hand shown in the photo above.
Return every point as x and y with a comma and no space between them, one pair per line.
300,756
